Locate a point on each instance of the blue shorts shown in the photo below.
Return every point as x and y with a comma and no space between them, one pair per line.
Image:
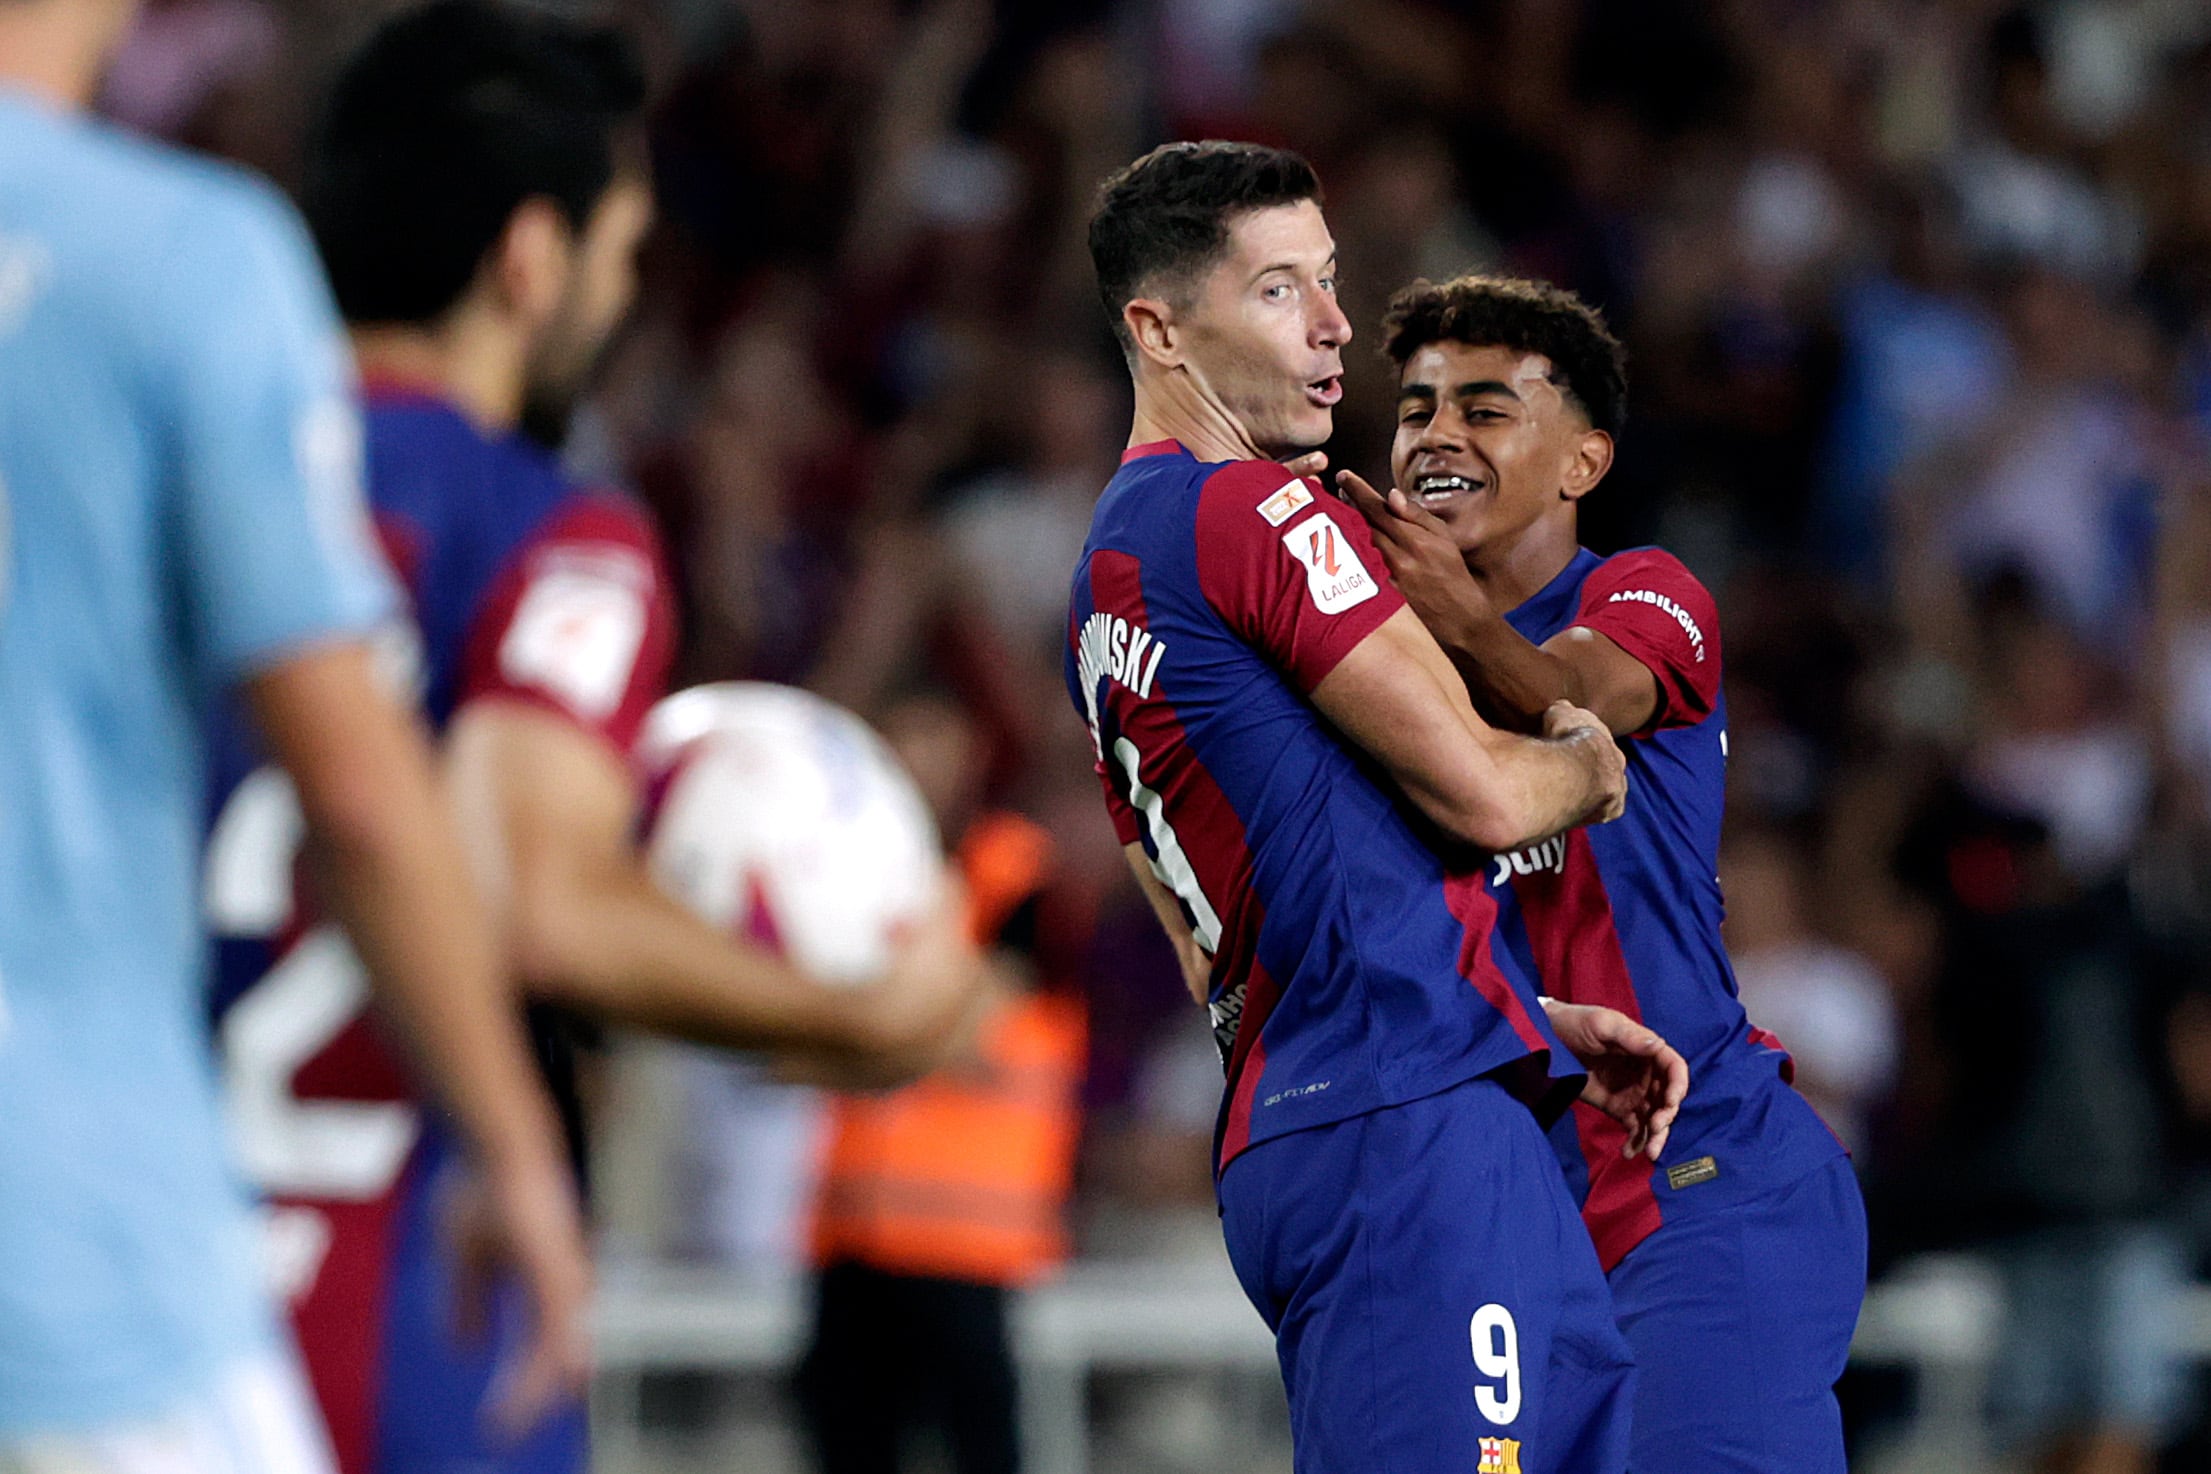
1436,1304
1741,1320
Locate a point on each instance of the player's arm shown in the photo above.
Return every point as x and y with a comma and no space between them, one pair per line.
1511,680
1197,968
1395,695
552,809
393,873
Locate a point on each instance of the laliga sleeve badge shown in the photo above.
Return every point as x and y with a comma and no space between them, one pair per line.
1333,573
1292,499
1499,1456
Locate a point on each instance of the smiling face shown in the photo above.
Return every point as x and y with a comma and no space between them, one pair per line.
1489,444
1262,332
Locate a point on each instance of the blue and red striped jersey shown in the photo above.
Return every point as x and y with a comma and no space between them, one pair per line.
521,587
1352,966
1627,915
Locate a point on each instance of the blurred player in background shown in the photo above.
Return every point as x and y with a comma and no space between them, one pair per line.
477,189
1250,681
179,489
1737,1269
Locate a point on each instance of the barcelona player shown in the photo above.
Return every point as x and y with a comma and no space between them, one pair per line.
1737,1267
1310,803
180,518
477,193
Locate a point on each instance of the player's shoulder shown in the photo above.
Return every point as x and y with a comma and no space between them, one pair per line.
1264,494
1649,575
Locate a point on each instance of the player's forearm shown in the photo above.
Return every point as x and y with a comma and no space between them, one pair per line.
617,946
1547,784
394,876
1511,682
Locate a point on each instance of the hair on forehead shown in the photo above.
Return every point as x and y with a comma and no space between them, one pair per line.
1587,363
1166,218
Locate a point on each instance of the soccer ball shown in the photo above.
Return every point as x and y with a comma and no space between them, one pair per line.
783,817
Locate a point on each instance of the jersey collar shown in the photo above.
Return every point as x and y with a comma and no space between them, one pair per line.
1152,448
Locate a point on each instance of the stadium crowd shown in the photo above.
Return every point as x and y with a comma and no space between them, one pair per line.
1917,295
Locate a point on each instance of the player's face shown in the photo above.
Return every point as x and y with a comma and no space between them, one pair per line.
1266,336
601,285
1486,441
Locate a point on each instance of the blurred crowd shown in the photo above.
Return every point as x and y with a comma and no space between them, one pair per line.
1917,296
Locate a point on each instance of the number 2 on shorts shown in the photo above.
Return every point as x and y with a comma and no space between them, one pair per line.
1497,1355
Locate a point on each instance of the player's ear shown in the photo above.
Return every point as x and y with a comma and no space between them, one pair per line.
1151,324
531,260
1592,457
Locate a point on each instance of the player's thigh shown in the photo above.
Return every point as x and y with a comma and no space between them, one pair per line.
1741,1322
257,1419
1436,1303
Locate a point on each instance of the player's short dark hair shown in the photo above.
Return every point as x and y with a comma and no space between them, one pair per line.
1164,220
1587,362
447,120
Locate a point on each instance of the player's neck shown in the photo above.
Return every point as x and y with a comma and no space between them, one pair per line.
1515,571
57,53
478,372
1173,407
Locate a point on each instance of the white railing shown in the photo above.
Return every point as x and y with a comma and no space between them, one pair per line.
1939,1314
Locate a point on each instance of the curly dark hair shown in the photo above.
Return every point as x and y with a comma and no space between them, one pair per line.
1587,362
1165,218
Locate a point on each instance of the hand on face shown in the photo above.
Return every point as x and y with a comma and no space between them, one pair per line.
1423,559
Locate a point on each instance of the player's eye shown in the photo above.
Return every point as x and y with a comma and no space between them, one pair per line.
1275,291
1328,285
1413,417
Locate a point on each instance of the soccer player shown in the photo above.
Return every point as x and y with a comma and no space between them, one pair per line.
1737,1268
477,191
180,514
1309,802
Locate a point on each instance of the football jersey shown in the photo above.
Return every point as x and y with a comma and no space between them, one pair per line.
1627,914
521,588
179,509
1351,961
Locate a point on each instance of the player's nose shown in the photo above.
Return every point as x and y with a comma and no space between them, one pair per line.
1331,329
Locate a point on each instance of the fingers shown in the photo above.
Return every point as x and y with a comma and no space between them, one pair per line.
1312,463
1365,500
554,1369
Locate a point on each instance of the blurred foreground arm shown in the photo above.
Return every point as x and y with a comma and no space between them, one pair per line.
393,873
554,809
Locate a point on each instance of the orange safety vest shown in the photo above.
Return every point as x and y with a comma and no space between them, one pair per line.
966,1174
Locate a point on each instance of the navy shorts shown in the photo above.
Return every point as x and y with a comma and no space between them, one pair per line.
1436,1303
1741,1320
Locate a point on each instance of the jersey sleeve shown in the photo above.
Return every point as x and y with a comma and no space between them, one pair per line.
580,622
254,393
1651,606
1292,571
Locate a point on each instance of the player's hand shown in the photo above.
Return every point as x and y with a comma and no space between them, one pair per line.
522,1220
1564,719
1312,463
1635,1077
1423,560
935,993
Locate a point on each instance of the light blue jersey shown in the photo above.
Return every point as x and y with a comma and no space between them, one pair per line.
179,507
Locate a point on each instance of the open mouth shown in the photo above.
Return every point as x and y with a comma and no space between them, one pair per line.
1440,488
1325,392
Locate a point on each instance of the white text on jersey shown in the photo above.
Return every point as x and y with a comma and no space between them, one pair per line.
1536,858
1665,605
1112,646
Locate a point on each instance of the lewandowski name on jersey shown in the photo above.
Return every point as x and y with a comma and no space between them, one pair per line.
1351,962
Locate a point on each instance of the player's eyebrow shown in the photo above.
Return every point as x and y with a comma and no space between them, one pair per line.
1471,389
1327,267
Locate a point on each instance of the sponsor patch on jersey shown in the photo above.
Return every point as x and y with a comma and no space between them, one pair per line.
1499,1456
1292,499
1668,608
576,636
1689,1174
1334,575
